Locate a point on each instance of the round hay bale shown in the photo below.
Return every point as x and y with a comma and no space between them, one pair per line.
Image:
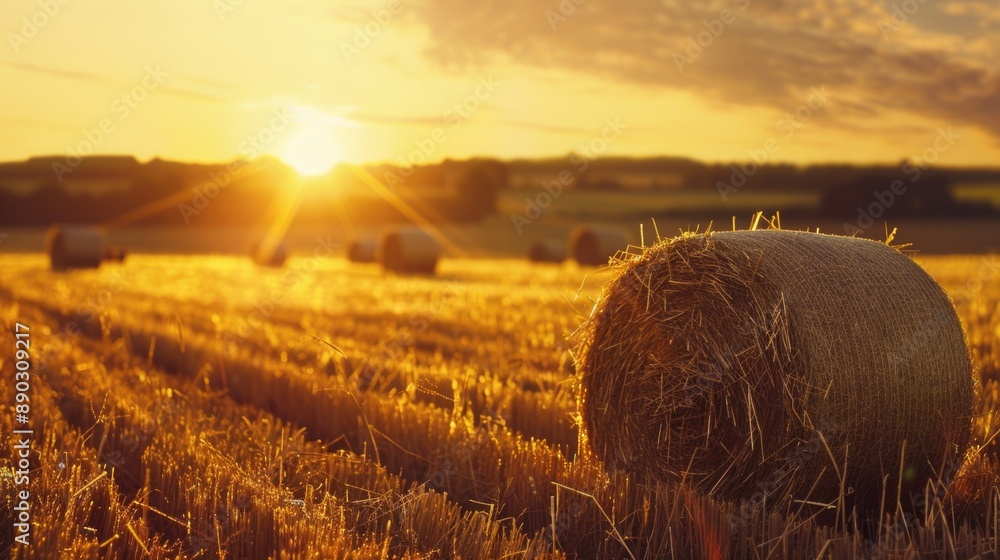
547,251
408,249
766,365
594,246
114,253
275,257
362,250
72,246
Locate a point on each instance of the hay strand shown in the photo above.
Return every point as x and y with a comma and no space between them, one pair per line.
773,365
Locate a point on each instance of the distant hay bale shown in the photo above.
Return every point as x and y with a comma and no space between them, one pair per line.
73,246
362,250
408,249
274,257
594,246
114,253
756,365
548,251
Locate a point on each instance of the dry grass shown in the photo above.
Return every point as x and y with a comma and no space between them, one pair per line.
445,430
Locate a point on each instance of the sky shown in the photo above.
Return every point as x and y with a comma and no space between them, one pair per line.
799,81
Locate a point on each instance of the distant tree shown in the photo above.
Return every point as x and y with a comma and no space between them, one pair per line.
893,195
477,186
601,184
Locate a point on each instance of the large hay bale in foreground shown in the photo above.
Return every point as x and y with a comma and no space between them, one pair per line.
547,251
594,246
362,250
757,365
408,249
74,246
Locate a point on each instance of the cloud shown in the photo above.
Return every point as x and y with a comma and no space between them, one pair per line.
430,121
194,94
99,79
71,74
372,118
542,127
34,123
987,11
768,54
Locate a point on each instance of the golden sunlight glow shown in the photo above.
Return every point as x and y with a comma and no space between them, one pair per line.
312,152
313,144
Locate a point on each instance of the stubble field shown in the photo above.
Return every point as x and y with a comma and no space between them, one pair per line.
204,407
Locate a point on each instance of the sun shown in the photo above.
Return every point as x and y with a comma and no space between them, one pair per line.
312,152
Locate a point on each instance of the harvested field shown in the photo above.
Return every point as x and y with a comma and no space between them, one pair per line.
207,407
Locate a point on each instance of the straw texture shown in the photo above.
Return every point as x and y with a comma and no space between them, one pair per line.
774,365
